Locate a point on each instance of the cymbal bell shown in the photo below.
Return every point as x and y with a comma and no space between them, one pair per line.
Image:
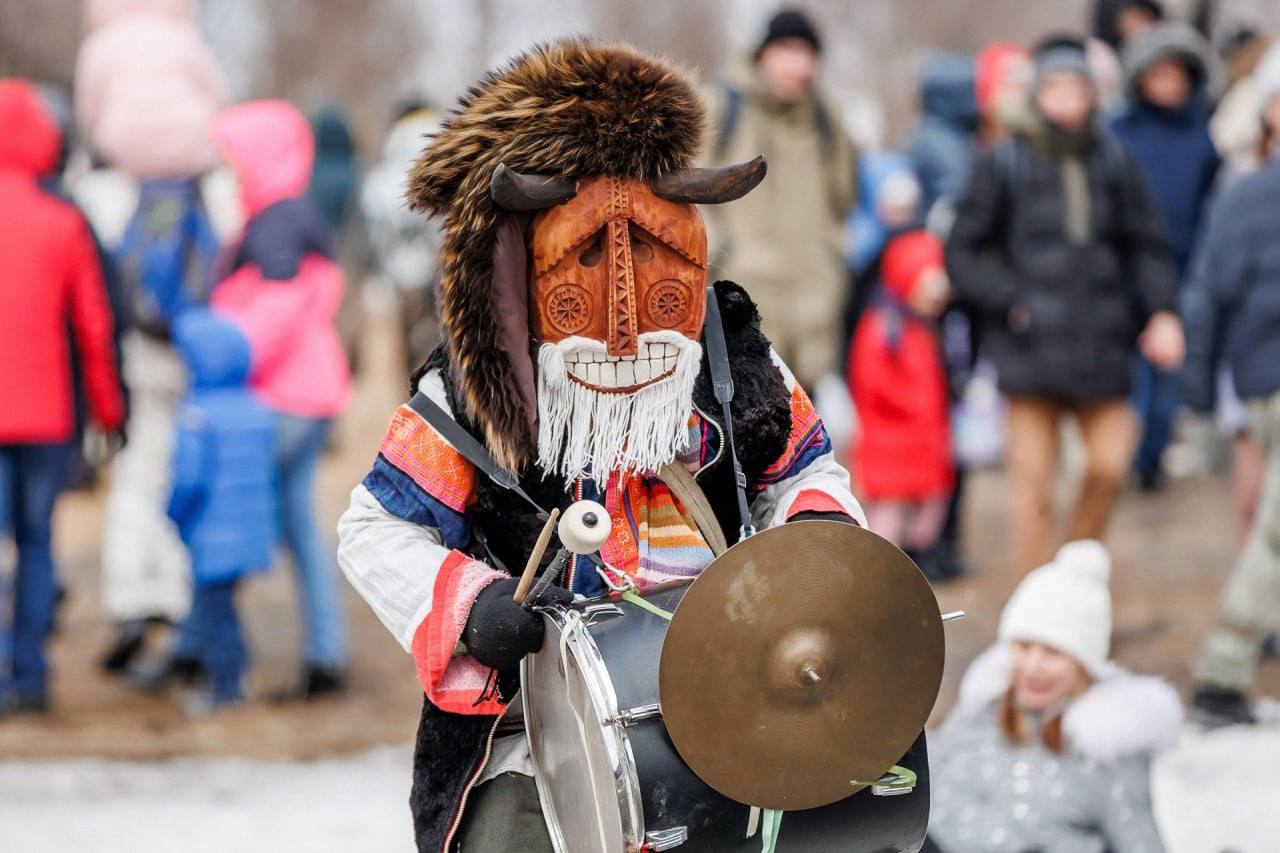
800,665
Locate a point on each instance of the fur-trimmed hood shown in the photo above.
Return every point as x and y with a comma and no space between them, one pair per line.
1120,715
572,108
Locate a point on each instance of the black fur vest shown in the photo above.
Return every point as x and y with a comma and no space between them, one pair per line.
451,748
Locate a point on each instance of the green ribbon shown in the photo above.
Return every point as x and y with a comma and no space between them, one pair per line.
896,776
635,598
771,823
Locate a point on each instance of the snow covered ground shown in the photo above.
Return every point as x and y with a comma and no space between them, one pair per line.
351,803
1215,792
1220,791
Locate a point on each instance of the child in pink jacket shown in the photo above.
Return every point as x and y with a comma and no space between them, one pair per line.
283,292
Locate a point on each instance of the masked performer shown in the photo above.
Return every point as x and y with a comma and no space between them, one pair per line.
573,294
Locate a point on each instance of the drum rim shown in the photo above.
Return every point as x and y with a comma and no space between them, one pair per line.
604,701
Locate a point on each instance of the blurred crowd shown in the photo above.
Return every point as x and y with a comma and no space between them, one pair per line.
1073,232
1080,229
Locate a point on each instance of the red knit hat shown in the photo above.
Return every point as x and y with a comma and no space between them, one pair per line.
993,65
906,259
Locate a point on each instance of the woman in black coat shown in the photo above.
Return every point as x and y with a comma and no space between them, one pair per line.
1061,253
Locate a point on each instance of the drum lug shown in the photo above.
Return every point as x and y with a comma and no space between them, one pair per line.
888,791
593,613
891,786
631,716
666,839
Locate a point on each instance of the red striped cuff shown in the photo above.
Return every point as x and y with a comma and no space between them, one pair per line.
453,684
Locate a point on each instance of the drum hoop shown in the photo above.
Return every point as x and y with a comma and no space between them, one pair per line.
604,703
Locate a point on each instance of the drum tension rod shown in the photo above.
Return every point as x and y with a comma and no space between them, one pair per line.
631,716
953,616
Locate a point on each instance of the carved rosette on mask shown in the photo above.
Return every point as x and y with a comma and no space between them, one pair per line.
617,300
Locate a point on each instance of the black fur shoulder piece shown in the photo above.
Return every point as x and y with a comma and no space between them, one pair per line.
573,108
761,404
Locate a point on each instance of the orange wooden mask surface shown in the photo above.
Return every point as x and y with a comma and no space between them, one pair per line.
615,262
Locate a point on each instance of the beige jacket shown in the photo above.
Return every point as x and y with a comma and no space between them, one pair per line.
783,241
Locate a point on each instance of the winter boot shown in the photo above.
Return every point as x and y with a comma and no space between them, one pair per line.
168,671
319,682
219,692
12,704
130,639
323,682
1215,708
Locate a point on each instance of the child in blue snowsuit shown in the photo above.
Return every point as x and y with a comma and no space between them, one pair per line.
223,499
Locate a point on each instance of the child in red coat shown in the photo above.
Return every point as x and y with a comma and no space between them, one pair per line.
902,456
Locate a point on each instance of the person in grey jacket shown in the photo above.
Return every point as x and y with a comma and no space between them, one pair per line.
1050,745
1232,309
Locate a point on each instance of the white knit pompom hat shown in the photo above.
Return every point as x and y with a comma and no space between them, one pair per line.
1065,604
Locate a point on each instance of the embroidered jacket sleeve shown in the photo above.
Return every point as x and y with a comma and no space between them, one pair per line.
400,545
806,477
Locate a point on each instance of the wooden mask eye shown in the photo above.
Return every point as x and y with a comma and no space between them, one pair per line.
641,251
594,253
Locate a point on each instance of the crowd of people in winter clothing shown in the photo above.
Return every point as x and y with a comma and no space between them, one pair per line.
1064,229
1076,230
229,361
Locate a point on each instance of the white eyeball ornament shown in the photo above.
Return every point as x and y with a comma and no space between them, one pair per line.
584,527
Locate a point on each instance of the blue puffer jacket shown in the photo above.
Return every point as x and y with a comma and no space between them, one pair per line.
941,149
1231,305
1178,159
223,499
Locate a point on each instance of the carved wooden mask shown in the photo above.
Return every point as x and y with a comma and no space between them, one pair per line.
615,262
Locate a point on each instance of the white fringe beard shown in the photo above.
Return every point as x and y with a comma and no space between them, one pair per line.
583,432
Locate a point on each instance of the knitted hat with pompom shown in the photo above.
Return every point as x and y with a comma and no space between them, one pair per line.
1066,605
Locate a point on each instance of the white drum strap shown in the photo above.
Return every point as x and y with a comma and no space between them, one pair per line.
572,624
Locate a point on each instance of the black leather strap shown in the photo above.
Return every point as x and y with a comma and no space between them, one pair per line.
722,383
471,449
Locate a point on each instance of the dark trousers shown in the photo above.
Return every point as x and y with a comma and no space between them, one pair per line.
31,476
502,815
211,634
1156,398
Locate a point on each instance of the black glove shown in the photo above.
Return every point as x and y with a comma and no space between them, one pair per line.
499,632
811,515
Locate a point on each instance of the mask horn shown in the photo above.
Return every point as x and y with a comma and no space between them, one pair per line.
711,186
516,191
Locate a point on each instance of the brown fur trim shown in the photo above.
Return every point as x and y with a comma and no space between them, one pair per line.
573,108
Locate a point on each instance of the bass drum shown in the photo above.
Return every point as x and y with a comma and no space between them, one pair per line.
609,778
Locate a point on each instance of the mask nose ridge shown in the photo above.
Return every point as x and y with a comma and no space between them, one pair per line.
623,331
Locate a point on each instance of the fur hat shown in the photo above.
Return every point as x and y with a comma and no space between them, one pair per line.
573,108
1065,604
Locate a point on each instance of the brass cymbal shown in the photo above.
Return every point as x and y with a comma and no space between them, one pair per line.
801,665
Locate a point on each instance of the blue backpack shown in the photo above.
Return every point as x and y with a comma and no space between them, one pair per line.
167,254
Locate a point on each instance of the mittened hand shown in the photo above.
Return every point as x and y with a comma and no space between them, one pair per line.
499,632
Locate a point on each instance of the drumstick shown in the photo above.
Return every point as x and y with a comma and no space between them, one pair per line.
535,557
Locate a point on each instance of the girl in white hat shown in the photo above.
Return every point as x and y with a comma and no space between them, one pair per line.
1050,744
